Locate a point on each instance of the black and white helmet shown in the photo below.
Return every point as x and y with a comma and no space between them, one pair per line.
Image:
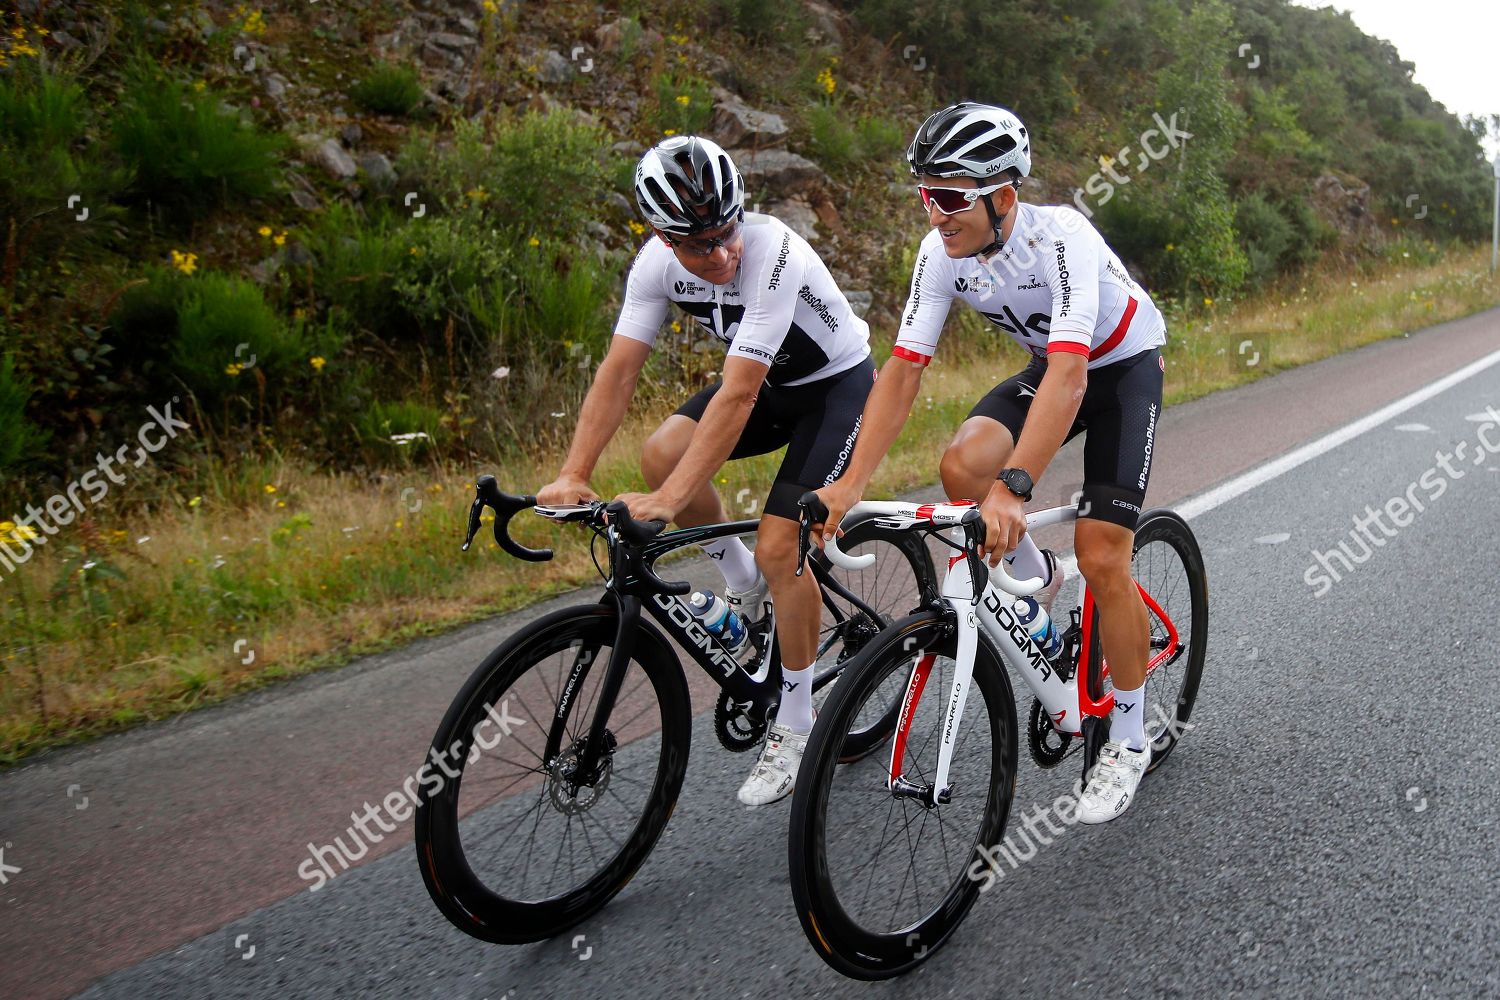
970,140
682,174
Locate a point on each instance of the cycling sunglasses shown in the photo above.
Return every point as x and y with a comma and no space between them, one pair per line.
951,201
707,245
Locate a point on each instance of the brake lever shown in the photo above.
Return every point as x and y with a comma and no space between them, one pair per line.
973,524
637,533
812,511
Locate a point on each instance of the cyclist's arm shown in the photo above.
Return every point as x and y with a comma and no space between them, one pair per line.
1071,269
603,409
723,422
1052,412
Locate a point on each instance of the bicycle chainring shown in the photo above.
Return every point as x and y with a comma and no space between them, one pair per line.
736,730
1048,746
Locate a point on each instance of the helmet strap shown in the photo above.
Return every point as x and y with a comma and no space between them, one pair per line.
997,223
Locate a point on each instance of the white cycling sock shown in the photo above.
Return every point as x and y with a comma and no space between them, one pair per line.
734,560
1126,722
1027,561
796,711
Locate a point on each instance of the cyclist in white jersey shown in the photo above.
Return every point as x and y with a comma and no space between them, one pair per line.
1045,276
797,374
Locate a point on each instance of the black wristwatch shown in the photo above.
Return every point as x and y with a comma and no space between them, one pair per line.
1018,481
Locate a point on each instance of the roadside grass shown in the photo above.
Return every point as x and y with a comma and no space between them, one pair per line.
161,602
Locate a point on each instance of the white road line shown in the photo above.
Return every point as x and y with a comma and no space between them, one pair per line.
1244,483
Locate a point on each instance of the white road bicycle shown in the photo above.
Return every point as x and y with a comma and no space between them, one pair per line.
885,853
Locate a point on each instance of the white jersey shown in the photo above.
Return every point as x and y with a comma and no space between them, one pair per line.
1057,286
782,308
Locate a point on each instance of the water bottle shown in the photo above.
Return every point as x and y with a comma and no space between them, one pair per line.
724,624
1038,624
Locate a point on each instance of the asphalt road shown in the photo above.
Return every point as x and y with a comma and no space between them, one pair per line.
1326,828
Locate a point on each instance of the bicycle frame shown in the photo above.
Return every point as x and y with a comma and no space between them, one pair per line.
628,586
1067,701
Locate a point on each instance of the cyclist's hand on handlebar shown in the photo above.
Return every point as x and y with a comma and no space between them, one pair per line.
838,497
564,490
1004,516
650,506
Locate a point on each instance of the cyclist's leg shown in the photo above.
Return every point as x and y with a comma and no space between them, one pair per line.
1121,406
665,448
983,445
828,414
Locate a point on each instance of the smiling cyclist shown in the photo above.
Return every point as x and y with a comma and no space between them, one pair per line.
797,374
1045,276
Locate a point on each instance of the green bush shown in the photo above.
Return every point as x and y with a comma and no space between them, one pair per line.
1267,237
388,90
541,175
225,332
383,422
185,150
846,146
357,259
684,104
451,265
21,440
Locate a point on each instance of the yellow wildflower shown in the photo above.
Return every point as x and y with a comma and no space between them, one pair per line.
198,85
684,100
187,263
533,242
317,363
490,7
233,370
269,489
280,239
1208,302
264,230
826,80
195,501
636,228
670,131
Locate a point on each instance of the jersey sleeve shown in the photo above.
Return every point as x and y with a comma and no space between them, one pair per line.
926,307
646,302
1071,270
769,292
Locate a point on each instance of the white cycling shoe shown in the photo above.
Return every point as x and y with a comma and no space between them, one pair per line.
1113,782
751,605
775,773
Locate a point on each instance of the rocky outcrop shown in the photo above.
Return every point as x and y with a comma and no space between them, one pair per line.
1344,202
735,123
778,173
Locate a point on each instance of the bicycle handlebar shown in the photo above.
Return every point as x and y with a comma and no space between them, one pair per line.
487,493
965,515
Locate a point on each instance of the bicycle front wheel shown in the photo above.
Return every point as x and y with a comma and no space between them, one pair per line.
517,839
881,881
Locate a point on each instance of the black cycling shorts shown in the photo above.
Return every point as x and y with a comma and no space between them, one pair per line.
817,422
1119,411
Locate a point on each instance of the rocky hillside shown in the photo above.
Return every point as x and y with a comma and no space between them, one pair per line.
373,231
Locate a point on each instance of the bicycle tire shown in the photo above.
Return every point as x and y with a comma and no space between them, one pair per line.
491,908
846,941
1169,528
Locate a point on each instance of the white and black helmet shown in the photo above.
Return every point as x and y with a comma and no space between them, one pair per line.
682,174
970,140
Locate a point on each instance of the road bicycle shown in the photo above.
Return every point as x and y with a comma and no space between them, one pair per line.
558,764
887,855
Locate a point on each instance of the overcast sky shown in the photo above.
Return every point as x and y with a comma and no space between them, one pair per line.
1453,44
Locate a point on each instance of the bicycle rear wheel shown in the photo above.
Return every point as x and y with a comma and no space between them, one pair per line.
880,882
1168,565
520,844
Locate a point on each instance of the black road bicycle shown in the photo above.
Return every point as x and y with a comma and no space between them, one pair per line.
559,763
